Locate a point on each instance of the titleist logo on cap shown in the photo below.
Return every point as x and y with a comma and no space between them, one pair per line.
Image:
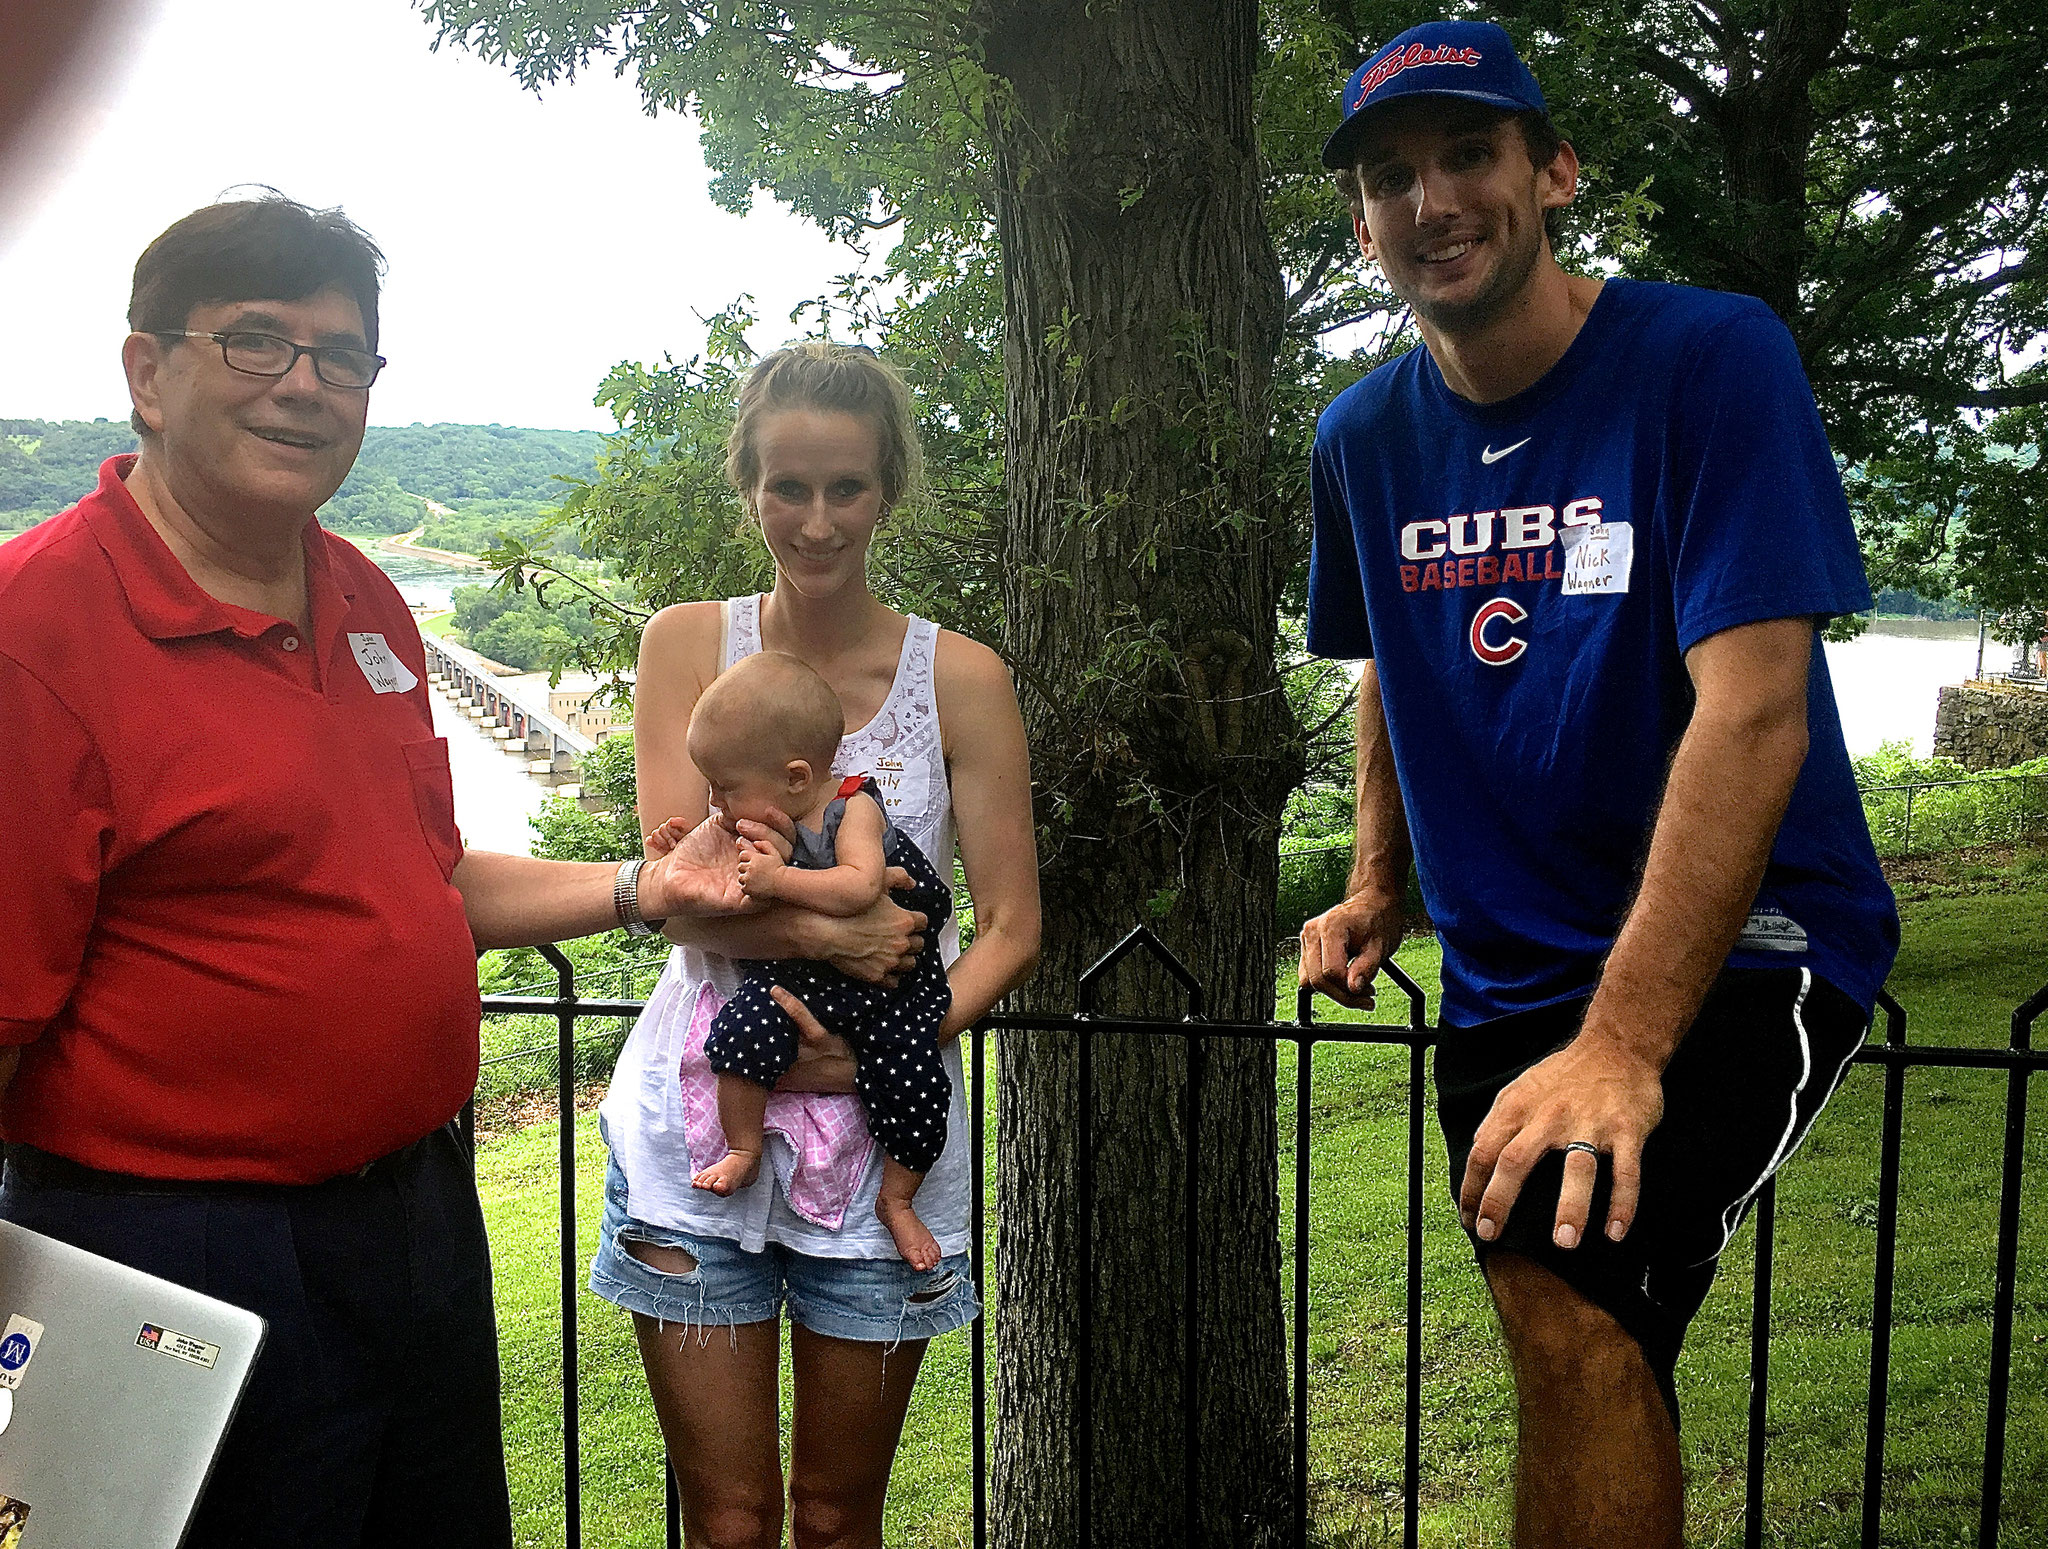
1406,59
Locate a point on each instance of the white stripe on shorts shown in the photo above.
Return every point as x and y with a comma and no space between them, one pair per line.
1795,1132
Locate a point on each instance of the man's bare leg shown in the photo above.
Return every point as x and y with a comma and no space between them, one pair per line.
1598,1460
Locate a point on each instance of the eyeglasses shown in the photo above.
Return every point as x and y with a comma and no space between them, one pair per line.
264,354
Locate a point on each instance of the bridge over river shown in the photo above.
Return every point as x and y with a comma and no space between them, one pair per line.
545,746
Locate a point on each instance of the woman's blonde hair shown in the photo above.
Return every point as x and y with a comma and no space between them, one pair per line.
841,378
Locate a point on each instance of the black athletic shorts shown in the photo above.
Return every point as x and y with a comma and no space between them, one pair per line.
1766,1051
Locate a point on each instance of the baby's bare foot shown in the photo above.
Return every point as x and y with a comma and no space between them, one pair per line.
913,1238
736,1171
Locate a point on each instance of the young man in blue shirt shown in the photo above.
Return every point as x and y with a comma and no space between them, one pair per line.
1583,539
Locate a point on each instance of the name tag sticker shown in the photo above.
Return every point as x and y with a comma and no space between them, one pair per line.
903,790
18,1343
1597,558
380,664
183,1346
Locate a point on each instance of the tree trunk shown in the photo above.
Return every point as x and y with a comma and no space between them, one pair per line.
1142,572
1766,121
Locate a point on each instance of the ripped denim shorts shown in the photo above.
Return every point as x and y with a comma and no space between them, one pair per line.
883,1301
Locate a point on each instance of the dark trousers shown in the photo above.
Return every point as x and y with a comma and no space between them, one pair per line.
372,1415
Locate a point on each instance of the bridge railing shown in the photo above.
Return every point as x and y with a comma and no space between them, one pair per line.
1891,1052
537,728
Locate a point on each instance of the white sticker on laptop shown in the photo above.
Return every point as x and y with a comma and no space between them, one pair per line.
18,1343
1597,558
380,664
169,1342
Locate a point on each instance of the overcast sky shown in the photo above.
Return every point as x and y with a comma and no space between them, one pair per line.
534,242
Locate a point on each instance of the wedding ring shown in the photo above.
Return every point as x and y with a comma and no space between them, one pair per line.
1586,1146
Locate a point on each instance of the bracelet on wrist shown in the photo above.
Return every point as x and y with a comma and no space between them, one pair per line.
626,900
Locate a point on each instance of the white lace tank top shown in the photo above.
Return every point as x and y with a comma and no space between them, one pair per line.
642,1113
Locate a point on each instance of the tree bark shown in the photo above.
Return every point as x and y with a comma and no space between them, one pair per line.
1142,567
1766,121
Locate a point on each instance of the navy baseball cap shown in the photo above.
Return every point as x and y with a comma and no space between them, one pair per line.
1473,60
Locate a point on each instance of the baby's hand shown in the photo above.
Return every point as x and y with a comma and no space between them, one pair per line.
760,864
666,837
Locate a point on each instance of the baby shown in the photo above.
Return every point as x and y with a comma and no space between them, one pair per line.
764,735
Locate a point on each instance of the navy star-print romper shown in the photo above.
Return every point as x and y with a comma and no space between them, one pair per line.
894,1034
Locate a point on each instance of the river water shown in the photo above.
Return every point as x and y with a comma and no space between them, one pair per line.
493,796
1885,683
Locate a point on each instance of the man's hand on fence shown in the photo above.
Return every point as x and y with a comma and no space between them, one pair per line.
1342,948
1592,1090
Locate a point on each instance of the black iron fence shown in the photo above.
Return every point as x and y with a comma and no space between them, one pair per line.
1952,814
2019,1059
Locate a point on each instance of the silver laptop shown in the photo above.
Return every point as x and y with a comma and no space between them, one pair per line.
115,1389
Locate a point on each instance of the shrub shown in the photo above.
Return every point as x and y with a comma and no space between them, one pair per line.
1948,807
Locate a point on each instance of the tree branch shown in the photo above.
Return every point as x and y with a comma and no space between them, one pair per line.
1311,283
1681,78
1934,61
2026,269
1712,23
2016,395
538,568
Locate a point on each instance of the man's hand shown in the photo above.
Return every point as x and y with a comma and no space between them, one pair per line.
1594,1090
693,872
1343,948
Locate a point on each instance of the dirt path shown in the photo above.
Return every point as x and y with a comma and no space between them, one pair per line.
405,543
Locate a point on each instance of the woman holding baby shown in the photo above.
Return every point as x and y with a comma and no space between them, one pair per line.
711,1230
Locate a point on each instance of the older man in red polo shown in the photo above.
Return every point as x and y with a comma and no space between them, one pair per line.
238,1008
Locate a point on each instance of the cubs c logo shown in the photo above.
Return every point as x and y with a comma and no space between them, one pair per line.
1510,646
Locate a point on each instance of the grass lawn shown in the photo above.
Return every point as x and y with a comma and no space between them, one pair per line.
1966,962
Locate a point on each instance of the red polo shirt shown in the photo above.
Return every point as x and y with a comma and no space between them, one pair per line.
229,946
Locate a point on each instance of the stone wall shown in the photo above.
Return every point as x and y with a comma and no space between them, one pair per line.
1988,726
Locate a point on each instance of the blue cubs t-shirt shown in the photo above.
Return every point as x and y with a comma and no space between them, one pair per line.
1527,577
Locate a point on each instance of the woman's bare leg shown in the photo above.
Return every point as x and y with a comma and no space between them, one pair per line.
850,1402
715,1393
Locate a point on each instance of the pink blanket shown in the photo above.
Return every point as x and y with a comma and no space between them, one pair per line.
828,1132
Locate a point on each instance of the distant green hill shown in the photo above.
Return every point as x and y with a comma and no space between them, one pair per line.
46,465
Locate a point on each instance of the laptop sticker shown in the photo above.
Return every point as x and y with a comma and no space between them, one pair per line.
18,1343
12,1513
169,1342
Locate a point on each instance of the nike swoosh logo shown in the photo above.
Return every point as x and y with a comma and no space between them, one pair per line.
1489,455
